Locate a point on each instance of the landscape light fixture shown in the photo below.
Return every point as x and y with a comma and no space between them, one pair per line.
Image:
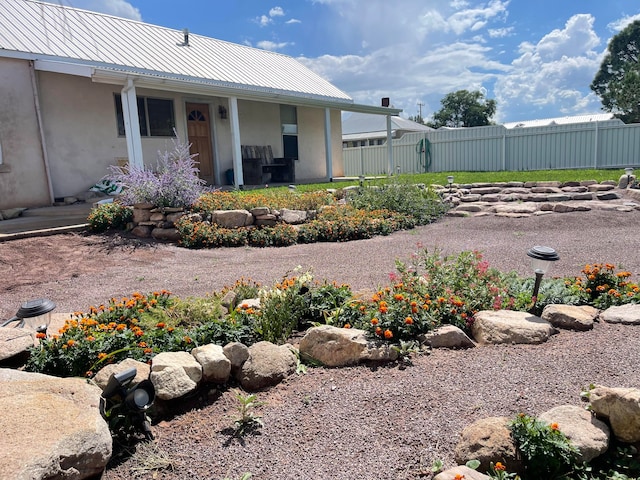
34,314
628,172
361,180
541,258
450,182
136,399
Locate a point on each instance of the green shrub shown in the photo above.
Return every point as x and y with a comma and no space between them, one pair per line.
546,451
280,235
422,204
109,216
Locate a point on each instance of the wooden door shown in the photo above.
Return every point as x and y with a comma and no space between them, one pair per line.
199,132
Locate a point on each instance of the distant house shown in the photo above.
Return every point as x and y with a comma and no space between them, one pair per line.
81,91
361,129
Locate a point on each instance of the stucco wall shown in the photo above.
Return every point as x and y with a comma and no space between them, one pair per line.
22,172
81,130
311,144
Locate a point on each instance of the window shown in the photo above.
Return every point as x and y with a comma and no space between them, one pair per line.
156,116
289,120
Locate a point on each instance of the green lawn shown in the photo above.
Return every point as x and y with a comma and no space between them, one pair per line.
483,177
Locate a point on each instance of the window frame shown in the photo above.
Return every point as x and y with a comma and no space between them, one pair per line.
147,125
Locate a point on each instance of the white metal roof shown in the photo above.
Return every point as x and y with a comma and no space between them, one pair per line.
360,126
53,33
594,117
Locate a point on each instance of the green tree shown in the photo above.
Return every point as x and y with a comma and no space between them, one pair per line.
617,83
464,109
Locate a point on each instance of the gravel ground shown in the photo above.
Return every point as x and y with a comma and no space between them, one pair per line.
368,423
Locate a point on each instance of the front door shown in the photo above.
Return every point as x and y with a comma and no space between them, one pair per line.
199,132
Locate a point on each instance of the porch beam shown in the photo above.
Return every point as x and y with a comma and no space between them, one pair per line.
132,125
327,143
389,145
236,149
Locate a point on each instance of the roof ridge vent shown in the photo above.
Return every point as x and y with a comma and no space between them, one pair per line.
185,32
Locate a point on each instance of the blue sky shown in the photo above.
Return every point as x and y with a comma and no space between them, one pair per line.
535,58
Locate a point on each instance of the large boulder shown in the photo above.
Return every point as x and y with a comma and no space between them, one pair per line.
621,406
339,347
487,440
216,367
588,434
508,326
232,218
570,317
175,374
51,427
15,342
447,336
237,353
628,314
293,217
267,365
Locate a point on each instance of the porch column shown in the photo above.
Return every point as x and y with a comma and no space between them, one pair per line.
389,145
327,143
132,125
236,149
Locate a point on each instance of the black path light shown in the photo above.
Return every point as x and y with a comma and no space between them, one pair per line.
541,258
34,314
450,182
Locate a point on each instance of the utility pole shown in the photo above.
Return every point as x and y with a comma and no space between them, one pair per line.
420,105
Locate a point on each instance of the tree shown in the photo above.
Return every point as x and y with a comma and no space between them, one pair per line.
617,83
464,109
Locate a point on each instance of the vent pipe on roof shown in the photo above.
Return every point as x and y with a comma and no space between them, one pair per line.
186,37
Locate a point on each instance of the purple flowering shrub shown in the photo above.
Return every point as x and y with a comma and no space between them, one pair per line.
173,183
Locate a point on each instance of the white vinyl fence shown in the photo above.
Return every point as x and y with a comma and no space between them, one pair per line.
597,145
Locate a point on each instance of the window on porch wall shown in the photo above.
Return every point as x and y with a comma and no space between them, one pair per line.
156,116
289,120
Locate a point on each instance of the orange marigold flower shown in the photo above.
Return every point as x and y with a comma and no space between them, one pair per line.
398,296
187,340
374,321
383,309
91,338
102,355
71,343
170,329
378,331
88,374
362,308
408,321
458,477
388,334
41,335
142,344
375,297
499,467
554,426
160,325
147,351
347,325
120,327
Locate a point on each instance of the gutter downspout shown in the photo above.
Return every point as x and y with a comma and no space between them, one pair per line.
131,122
43,142
595,149
327,144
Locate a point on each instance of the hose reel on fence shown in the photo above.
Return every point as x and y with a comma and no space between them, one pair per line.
423,149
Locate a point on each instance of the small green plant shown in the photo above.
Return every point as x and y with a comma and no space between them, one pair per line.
498,471
109,216
248,421
149,457
546,451
405,350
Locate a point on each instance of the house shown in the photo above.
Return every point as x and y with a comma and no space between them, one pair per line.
362,129
81,91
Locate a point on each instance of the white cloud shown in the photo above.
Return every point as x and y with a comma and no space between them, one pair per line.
500,32
292,21
273,46
621,23
263,20
118,8
276,12
555,71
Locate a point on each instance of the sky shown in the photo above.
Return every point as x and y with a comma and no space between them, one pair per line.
535,58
